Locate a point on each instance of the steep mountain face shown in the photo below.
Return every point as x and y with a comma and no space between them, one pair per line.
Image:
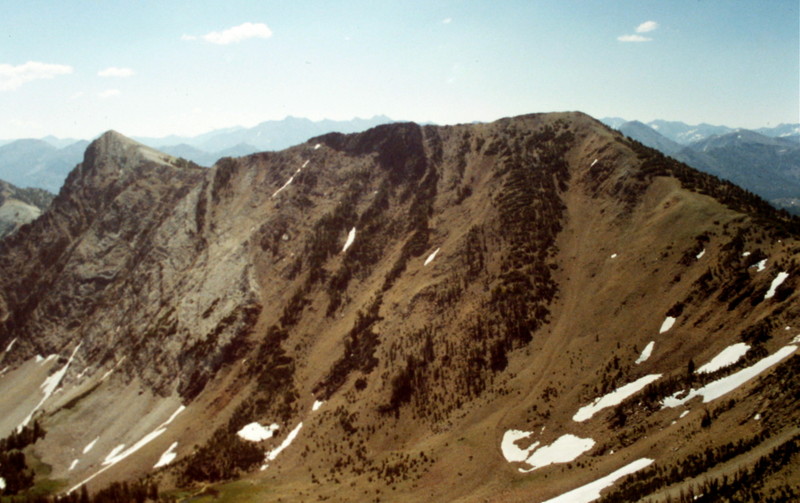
501,312
20,206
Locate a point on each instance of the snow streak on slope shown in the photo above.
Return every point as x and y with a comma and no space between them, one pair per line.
614,398
271,455
668,322
351,236
726,357
168,456
591,491
775,284
431,257
48,387
716,389
118,454
646,352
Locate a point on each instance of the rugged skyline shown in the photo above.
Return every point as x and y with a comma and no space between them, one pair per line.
512,311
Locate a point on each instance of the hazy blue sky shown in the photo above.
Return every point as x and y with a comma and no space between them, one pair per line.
76,68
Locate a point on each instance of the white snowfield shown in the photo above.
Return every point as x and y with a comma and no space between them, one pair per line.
667,324
614,398
254,432
168,456
511,451
720,387
431,257
646,352
591,491
726,357
779,279
566,448
350,238
271,455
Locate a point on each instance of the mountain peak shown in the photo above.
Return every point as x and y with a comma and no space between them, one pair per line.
116,145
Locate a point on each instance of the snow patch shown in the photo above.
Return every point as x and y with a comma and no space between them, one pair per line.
700,255
779,279
2,483
271,455
39,359
720,387
593,163
72,465
511,451
591,491
318,145
431,257
726,357
760,266
683,414
118,454
757,417
613,255
90,445
304,165
746,254
254,432
350,238
11,344
668,322
646,352
168,456
49,386
565,449
317,405
614,398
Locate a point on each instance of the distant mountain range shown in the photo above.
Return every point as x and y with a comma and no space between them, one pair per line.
685,134
38,163
765,162
44,163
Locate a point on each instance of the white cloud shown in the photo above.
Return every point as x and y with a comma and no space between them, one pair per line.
647,26
113,71
633,38
12,77
235,34
108,93
447,20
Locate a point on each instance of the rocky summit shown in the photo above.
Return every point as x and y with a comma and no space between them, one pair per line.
535,309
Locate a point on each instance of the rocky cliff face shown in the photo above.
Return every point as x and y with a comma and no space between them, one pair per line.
419,313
